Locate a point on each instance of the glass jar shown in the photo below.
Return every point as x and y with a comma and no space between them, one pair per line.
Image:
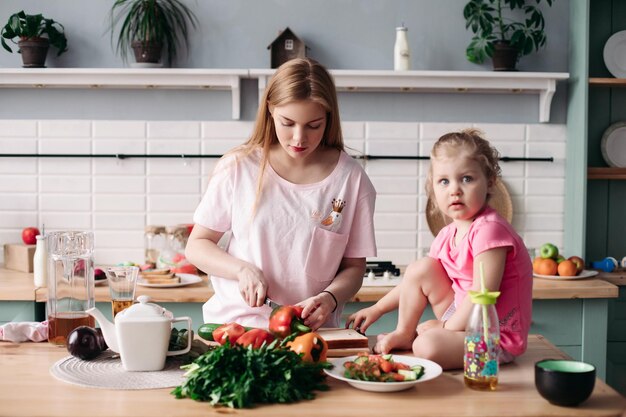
155,240
174,252
71,288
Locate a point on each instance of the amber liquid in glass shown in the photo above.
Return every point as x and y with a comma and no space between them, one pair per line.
482,384
119,305
61,324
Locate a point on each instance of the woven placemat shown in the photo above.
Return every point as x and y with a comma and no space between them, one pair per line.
106,371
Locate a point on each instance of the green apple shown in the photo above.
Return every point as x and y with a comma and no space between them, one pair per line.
560,259
548,250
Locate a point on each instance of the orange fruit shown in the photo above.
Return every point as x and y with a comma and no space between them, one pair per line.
567,268
546,267
536,262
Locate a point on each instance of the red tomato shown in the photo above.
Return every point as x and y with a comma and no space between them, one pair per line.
229,331
28,235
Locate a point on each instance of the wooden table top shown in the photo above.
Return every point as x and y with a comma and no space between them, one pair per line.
28,389
16,285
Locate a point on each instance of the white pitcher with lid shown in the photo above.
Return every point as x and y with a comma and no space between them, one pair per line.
141,335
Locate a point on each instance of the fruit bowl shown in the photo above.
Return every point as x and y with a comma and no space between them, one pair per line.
584,274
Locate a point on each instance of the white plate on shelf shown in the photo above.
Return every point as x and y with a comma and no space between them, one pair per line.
100,281
615,54
431,371
613,145
584,274
185,279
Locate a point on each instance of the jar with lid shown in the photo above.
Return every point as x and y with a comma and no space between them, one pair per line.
482,341
401,52
155,241
174,251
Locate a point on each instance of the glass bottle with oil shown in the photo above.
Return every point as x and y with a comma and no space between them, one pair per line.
482,342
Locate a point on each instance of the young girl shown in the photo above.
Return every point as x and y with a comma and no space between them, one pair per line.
463,171
299,209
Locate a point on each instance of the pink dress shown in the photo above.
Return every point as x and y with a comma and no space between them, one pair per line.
488,231
297,237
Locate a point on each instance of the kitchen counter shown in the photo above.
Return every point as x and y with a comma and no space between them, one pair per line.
28,389
15,285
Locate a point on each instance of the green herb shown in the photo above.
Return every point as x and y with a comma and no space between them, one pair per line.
240,377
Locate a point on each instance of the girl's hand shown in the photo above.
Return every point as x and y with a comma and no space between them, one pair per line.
427,325
252,285
317,309
364,318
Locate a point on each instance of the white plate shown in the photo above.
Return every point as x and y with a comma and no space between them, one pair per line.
615,54
613,145
431,371
185,279
584,274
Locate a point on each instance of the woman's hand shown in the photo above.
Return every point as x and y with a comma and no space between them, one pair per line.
364,318
427,325
252,285
317,309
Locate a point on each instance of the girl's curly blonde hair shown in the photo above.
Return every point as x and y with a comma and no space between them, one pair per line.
472,142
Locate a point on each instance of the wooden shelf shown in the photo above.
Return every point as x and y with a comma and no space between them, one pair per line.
606,173
543,84
128,78
465,82
607,82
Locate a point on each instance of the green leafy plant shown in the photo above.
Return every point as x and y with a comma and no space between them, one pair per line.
492,21
165,22
25,26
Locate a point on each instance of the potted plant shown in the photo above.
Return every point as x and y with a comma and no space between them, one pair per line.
148,26
499,36
36,34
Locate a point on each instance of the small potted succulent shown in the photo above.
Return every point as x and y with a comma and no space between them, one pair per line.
497,33
36,34
149,26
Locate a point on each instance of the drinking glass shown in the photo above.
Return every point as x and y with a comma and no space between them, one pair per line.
122,283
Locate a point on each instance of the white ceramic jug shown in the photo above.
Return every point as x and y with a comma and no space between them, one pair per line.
141,335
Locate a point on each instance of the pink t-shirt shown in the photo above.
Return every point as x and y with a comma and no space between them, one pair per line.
488,231
297,237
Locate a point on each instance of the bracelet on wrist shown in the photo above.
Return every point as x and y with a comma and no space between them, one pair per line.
334,298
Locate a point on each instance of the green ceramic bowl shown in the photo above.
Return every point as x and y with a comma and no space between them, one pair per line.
564,382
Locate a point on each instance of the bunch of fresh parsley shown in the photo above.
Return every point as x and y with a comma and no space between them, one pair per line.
240,377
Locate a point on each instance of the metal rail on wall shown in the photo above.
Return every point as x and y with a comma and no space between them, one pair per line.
195,156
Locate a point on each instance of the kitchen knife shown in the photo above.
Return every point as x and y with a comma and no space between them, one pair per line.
271,303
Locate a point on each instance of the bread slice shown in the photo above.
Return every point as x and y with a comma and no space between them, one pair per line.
160,271
162,280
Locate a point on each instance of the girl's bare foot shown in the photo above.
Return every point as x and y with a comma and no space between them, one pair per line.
394,340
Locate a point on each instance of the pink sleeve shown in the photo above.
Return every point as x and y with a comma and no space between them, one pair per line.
490,235
435,247
215,209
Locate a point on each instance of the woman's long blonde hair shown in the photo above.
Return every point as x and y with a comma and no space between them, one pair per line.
299,79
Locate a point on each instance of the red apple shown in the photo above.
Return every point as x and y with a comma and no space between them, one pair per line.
580,263
28,235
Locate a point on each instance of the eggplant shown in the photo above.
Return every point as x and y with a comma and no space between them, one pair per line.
85,342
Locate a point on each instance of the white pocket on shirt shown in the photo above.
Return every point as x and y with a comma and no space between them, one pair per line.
325,253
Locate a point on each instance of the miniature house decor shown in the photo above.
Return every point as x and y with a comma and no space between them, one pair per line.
286,46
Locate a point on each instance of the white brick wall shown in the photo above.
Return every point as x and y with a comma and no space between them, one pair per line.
117,198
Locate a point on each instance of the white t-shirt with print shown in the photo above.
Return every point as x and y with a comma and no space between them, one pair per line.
297,236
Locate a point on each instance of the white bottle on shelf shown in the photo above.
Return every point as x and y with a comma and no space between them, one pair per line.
40,262
401,53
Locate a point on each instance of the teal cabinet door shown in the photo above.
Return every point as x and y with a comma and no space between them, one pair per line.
17,311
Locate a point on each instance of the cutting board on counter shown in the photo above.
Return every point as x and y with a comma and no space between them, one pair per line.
343,342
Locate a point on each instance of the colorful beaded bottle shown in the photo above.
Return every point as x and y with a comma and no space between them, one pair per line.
482,340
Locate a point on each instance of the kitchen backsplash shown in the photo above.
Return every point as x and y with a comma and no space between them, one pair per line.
117,198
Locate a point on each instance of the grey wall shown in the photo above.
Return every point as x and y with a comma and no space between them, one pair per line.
342,34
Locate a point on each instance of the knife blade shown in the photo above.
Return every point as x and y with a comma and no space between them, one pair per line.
271,303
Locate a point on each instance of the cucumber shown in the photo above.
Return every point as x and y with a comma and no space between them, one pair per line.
206,330
418,369
387,357
408,375
361,359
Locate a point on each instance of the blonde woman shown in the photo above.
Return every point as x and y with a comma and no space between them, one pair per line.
299,209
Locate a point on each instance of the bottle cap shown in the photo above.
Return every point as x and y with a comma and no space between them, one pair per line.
484,296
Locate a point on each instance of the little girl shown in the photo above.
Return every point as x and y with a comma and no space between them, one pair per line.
463,171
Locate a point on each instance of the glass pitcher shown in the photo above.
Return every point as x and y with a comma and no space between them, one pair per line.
70,283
